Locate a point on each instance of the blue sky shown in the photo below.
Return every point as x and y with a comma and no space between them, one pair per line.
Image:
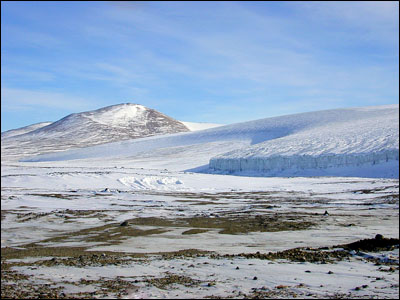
218,62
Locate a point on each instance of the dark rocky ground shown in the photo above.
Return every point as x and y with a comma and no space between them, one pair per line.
15,284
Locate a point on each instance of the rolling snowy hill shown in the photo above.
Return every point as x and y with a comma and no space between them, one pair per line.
105,125
360,142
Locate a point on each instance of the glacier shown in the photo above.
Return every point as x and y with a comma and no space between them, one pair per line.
367,137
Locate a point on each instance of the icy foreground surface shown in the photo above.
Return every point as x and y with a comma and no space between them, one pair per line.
61,232
361,142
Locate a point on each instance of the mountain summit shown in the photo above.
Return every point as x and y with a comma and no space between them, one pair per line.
108,124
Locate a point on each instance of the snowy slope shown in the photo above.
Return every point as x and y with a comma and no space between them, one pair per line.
108,124
370,136
23,130
342,142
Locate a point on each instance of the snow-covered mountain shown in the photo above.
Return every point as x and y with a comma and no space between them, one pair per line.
104,125
360,141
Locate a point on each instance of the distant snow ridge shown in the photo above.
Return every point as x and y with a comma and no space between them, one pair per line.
23,130
193,126
360,137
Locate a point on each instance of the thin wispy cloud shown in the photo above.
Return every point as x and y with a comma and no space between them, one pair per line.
16,98
17,36
23,74
374,17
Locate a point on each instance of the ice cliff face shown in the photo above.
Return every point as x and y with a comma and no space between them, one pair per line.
108,124
358,137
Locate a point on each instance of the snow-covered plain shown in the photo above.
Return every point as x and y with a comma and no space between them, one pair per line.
68,206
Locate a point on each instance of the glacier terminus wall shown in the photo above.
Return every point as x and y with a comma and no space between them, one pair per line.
276,164
359,141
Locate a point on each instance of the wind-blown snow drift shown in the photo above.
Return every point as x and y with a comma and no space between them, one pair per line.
365,139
